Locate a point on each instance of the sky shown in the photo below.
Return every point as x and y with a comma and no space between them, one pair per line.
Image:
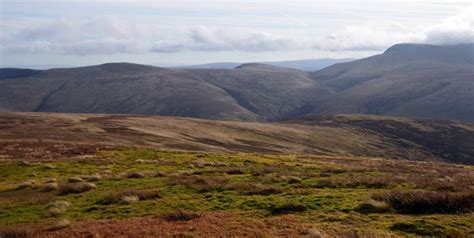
181,32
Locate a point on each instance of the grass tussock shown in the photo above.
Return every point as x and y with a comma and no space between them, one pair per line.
27,184
57,208
182,215
290,207
130,196
427,202
256,189
234,171
75,179
69,188
201,184
133,175
92,178
159,174
373,206
59,225
48,187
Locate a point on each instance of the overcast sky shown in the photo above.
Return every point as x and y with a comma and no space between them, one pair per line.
179,32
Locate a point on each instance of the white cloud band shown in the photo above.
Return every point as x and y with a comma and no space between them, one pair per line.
112,35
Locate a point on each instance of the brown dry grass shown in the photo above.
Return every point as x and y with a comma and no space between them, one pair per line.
85,134
422,202
209,224
17,232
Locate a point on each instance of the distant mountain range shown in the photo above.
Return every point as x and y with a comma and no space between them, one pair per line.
412,80
304,65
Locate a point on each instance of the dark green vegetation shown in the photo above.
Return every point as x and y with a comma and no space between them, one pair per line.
330,194
407,80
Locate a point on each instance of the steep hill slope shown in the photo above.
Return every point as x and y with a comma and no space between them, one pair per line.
355,135
266,90
407,80
121,88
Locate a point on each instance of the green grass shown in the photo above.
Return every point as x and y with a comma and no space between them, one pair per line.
205,182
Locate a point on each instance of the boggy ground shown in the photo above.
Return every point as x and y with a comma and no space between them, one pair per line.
133,192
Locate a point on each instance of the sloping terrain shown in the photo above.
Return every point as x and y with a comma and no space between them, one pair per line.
355,135
266,90
144,192
409,80
121,88
422,81
99,175
13,73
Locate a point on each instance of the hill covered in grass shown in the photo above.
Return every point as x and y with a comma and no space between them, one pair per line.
80,175
354,135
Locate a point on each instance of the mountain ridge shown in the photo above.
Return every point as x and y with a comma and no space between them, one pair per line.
397,82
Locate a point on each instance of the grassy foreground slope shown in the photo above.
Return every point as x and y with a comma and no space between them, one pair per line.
64,175
146,192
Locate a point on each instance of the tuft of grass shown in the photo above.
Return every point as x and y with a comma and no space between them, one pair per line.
130,196
135,175
75,179
233,171
182,215
49,166
293,180
291,207
26,184
50,180
82,187
59,225
92,178
426,202
373,206
48,187
160,174
57,208
256,189
129,199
